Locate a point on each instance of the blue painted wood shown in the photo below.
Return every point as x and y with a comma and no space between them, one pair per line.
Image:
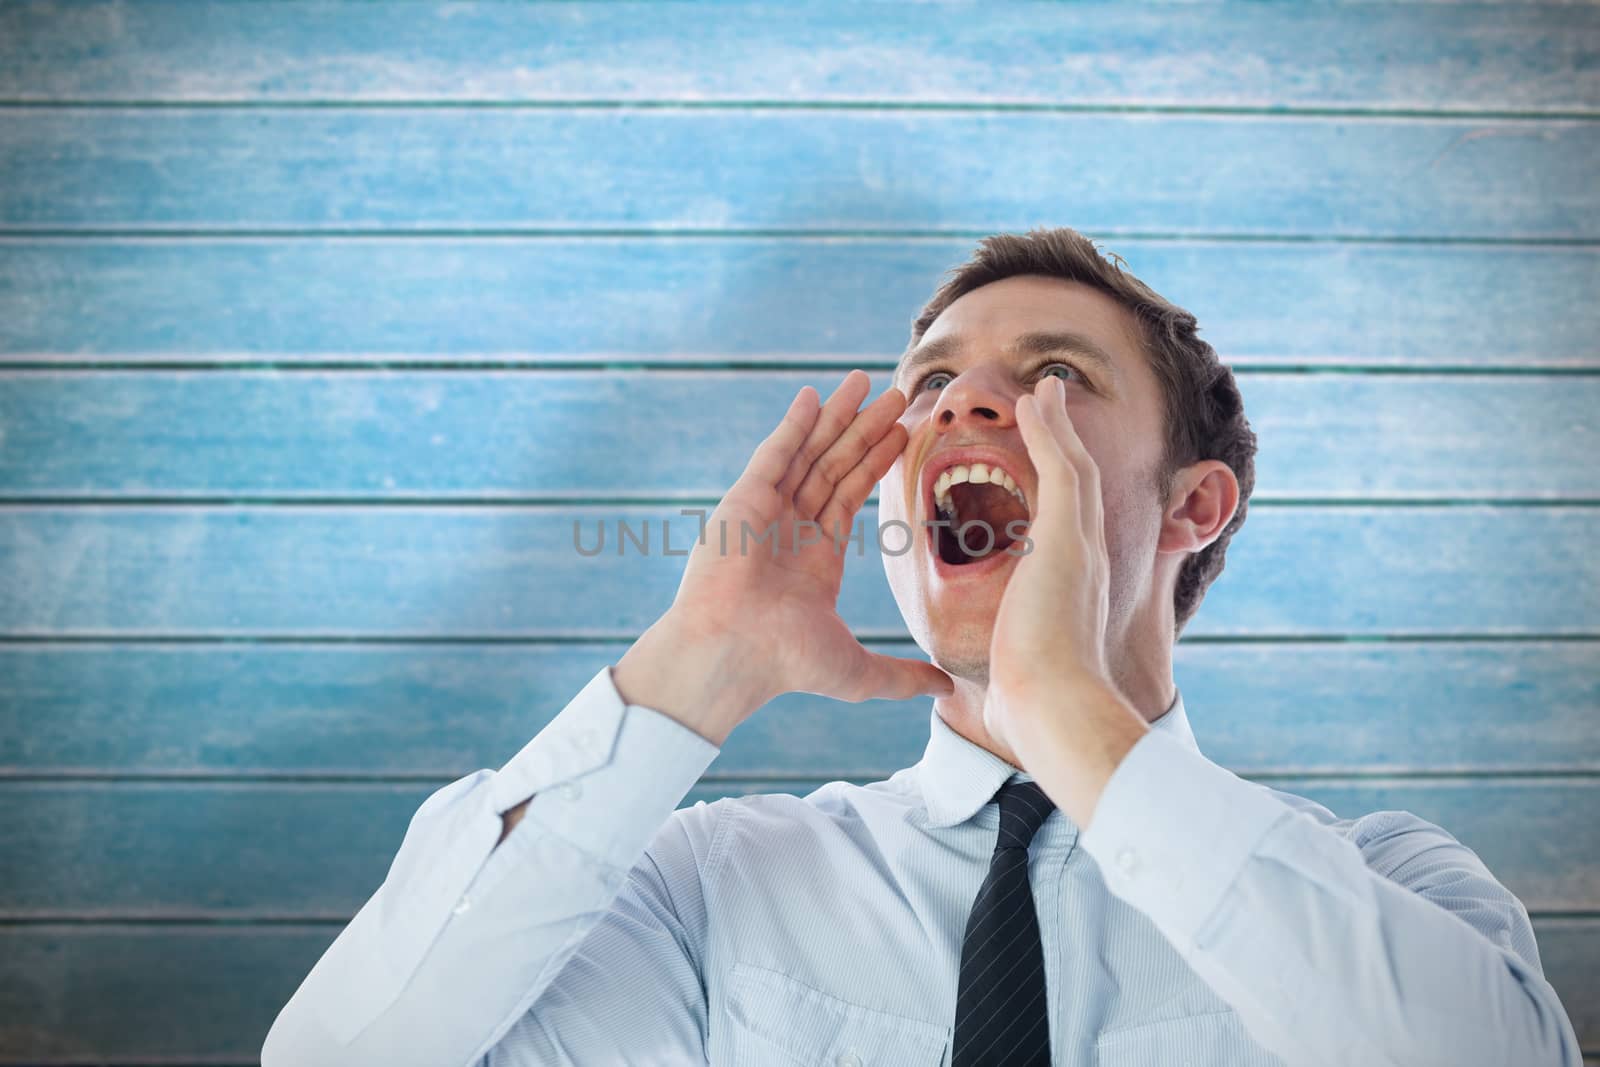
1302,239
303,850
410,169
309,571
445,710
1516,57
115,993
124,980
488,434
754,299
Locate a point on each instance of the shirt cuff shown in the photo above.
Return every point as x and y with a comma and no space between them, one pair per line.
607,774
1172,831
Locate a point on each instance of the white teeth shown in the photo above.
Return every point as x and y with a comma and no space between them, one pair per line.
977,474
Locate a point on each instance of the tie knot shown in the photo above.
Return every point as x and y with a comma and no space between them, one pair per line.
1023,809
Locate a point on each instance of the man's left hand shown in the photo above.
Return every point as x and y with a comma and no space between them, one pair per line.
1050,698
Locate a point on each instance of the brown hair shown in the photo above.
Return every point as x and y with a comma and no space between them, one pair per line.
1204,413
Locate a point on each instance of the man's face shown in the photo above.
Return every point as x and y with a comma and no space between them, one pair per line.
962,406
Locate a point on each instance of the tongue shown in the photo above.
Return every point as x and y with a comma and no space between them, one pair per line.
992,504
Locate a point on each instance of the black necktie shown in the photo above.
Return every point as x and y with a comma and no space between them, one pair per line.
1002,1016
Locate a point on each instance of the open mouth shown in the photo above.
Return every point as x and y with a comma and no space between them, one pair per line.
982,513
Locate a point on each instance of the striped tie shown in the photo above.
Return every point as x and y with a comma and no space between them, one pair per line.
1002,1016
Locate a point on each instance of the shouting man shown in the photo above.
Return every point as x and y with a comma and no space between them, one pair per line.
1062,878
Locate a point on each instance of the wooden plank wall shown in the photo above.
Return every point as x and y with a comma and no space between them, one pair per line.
320,322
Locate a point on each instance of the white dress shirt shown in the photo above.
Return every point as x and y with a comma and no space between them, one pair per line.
1201,920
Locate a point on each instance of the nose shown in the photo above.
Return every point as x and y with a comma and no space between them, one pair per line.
977,396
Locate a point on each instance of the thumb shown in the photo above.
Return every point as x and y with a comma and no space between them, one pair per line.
891,678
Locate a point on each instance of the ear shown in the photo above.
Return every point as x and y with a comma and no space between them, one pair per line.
1204,496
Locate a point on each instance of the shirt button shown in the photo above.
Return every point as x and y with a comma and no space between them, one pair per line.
572,790
1128,860
466,903
849,1059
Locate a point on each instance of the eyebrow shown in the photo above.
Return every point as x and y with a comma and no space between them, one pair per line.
1033,343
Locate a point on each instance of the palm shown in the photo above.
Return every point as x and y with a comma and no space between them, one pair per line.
776,586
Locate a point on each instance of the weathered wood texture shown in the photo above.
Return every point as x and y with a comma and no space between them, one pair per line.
303,307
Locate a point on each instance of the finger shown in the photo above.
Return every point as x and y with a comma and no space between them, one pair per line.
1043,448
854,488
772,457
836,415
1058,491
841,457
887,678
1072,447
1054,406
1079,468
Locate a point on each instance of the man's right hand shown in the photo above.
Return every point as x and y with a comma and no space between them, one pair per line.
747,626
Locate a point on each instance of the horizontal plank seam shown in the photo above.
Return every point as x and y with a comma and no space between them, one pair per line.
552,501
968,107
318,923
132,234
595,638
1590,1056
600,366
11,778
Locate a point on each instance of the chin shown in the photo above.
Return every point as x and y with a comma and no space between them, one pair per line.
951,621
960,646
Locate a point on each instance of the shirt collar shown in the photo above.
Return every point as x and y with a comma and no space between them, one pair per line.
958,777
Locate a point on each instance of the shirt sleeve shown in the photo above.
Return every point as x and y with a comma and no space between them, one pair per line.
463,937
1393,945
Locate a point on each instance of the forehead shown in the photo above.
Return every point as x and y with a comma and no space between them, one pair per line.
990,318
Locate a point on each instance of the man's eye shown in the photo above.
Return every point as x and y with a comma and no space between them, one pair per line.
922,383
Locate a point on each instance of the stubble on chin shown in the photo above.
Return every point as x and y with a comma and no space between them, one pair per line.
965,655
